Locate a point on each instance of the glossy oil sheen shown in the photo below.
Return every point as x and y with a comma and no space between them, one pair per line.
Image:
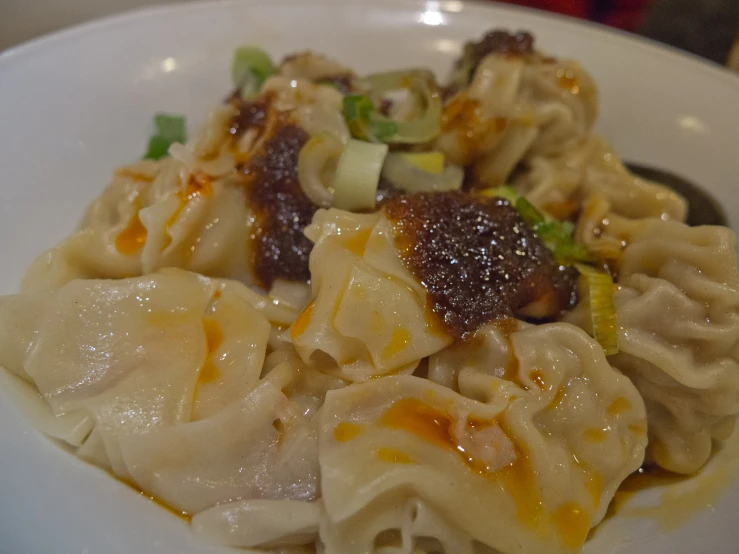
79,104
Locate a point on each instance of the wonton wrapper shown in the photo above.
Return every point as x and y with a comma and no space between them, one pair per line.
515,108
164,369
368,313
677,309
544,445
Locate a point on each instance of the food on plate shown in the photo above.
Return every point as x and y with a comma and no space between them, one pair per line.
382,314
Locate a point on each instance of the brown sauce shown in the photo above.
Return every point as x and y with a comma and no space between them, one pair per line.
158,501
281,208
249,115
675,499
344,83
498,41
385,191
477,259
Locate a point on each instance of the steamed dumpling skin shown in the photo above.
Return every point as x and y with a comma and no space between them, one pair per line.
368,313
677,307
522,459
154,378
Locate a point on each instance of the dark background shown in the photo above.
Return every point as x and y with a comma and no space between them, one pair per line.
708,28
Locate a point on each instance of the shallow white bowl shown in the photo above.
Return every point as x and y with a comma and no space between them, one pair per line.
75,105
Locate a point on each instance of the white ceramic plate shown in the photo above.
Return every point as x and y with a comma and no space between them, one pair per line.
75,105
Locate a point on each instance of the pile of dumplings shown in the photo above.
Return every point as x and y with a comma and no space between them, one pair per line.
334,415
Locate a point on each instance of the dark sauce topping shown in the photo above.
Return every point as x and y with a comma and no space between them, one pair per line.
498,41
477,260
249,114
281,208
385,191
343,83
501,41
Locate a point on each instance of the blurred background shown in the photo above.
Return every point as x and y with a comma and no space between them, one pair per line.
708,28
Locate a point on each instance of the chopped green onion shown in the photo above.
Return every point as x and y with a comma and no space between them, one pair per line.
425,127
528,212
408,177
169,129
432,162
250,68
328,83
505,192
358,174
315,161
602,307
557,236
366,123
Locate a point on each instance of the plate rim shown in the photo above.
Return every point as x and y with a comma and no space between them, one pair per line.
26,49
25,53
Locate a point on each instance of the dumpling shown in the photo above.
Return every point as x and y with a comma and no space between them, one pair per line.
560,184
162,372
392,288
514,103
525,458
319,69
227,204
677,308
368,314
395,525
265,523
261,447
153,215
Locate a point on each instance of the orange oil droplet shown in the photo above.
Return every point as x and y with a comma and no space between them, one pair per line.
420,419
568,81
512,367
302,321
134,175
618,406
159,502
346,431
638,429
131,239
198,184
213,337
573,524
519,482
357,243
393,456
399,341
594,435
537,377
594,484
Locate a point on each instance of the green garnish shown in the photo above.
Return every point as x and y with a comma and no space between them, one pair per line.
250,68
528,212
602,307
364,122
328,83
169,129
423,92
505,192
557,236
358,175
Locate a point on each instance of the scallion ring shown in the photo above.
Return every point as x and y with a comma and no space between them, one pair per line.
602,307
316,164
404,174
250,68
358,175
